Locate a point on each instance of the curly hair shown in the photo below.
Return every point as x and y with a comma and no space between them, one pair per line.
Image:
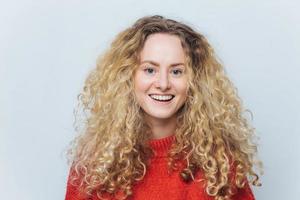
111,152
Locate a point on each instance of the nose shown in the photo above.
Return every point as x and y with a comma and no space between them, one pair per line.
162,82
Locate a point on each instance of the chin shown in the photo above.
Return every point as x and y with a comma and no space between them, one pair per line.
161,116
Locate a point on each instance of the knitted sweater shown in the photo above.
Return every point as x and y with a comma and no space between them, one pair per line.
158,184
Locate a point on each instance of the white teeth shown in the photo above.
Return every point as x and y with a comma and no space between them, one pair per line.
161,97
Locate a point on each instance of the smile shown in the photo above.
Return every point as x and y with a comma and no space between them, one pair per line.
162,98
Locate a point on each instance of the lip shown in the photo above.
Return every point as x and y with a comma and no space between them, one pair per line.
163,95
162,102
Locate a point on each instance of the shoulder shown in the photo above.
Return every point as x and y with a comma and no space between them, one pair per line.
241,193
73,189
197,188
244,193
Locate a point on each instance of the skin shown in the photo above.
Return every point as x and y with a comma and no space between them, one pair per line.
161,70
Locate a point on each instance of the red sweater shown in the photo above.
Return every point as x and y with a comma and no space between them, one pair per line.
158,184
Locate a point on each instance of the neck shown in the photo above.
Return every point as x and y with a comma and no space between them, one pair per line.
162,128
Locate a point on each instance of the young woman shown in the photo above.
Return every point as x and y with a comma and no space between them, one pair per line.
163,122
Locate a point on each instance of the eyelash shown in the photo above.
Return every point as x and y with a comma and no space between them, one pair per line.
149,68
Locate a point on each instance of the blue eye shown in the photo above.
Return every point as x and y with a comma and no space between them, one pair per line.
177,72
149,70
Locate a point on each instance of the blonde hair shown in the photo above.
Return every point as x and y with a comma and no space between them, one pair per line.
111,151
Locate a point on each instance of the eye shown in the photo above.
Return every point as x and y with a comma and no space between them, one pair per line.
177,72
149,70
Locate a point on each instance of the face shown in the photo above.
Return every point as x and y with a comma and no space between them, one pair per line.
161,80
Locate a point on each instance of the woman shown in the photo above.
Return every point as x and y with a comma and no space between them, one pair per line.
163,121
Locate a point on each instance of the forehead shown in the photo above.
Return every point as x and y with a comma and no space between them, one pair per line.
162,47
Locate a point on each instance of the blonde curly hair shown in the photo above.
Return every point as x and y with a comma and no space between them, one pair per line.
111,152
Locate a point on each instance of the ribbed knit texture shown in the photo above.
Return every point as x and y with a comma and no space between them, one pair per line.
159,184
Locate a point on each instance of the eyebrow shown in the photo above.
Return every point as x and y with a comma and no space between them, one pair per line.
156,64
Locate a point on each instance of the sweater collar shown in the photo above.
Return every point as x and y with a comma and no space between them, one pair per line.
162,145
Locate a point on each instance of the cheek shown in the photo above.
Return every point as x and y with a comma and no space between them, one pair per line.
182,87
141,84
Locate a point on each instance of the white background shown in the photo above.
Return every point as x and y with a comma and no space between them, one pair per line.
48,47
